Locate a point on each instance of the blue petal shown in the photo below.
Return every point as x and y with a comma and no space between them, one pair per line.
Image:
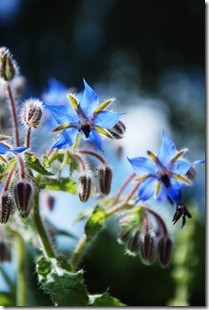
66,139
146,189
167,150
174,192
107,119
56,92
181,167
89,101
94,137
142,165
62,113
18,149
199,162
4,149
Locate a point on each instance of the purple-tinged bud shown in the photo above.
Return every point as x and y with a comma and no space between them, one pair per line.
134,243
7,65
165,248
5,207
147,248
118,130
5,253
48,201
23,197
32,112
84,188
105,179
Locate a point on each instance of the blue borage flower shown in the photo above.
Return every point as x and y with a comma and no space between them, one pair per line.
5,149
162,175
85,118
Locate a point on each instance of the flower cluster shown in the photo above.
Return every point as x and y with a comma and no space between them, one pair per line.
162,176
82,123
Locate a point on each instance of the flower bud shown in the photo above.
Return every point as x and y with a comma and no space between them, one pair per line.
84,188
5,207
105,179
32,112
7,66
23,197
133,243
147,248
165,247
5,253
118,130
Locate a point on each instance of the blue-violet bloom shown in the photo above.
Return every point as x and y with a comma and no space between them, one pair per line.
164,174
85,118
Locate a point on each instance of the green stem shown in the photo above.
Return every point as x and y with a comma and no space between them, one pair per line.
78,252
43,238
21,272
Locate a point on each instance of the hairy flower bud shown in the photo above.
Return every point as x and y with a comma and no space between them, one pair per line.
32,112
134,242
105,179
165,247
84,188
23,196
5,207
147,248
7,65
5,253
118,130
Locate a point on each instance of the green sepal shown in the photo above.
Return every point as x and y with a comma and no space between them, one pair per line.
104,300
33,162
95,222
64,287
62,184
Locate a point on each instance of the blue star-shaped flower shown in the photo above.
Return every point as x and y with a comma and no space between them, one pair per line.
85,118
162,175
5,149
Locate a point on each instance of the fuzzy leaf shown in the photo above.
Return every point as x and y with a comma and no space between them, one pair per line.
95,222
62,184
64,287
35,164
104,300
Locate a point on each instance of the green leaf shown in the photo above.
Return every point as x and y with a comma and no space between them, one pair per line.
35,164
64,287
62,184
95,222
104,300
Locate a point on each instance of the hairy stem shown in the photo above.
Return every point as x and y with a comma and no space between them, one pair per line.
27,137
78,252
14,115
21,272
43,238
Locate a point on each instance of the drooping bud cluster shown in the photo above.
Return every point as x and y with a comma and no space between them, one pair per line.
87,183
7,65
32,112
142,238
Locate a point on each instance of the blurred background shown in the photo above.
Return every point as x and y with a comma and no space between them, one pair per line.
150,56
